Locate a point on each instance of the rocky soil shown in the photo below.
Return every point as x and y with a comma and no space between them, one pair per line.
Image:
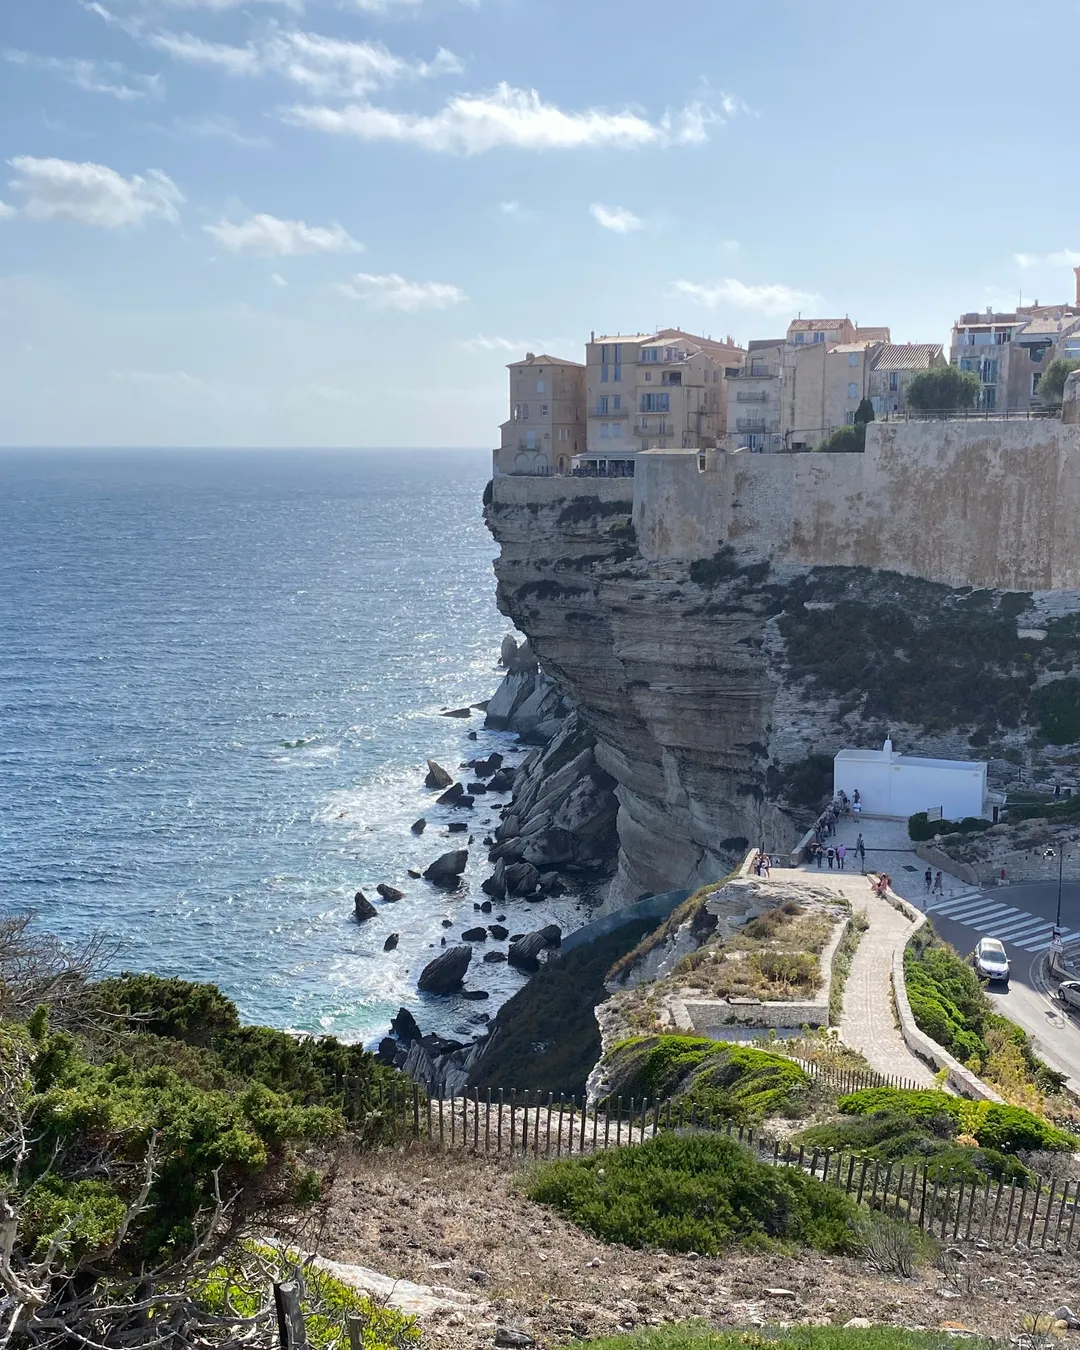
445,1219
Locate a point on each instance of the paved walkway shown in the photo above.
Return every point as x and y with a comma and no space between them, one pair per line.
868,1022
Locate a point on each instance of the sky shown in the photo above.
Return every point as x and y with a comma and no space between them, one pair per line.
333,222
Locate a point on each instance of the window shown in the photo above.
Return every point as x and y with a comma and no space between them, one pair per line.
1001,338
648,375
539,386
530,440
966,363
849,419
603,374
618,353
564,433
655,403
853,359
819,337
617,374
894,381
989,371
603,355
616,430
853,391
651,354
616,403
1035,381
989,400
543,409
800,338
602,403
605,430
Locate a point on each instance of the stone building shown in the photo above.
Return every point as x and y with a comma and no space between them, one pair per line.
546,427
659,390
893,366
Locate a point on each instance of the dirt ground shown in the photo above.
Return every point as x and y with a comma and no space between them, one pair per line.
445,1219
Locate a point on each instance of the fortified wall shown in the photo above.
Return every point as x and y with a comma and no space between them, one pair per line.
726,629
967,503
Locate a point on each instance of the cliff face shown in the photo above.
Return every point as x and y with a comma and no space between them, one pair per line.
719,687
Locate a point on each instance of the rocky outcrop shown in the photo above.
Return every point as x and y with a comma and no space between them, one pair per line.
445,974
363,908
446,870
529,703
437,777
562,813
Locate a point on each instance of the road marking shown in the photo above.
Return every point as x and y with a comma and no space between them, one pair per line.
975,914
1013,930
958,902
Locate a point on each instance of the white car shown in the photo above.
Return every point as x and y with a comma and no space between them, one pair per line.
1069,993
990,961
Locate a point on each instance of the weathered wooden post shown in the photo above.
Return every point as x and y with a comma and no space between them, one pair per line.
292,1334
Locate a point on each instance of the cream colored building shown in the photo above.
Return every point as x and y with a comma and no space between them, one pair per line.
546,427
653,391
893,367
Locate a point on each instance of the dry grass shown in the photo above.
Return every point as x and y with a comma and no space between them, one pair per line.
452,1220
774,957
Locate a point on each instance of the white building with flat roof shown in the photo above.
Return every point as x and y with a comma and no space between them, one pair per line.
891,784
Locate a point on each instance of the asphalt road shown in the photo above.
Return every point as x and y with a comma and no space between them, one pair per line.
1027,999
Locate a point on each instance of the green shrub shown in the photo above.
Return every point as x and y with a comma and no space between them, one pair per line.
1057,706
947,1000
730,1082
921,829
922,1104
844,440
702,1336
1011,1129
695,1192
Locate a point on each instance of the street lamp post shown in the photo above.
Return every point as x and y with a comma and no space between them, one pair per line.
1061,863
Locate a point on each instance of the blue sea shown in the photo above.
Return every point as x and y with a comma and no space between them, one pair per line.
220,676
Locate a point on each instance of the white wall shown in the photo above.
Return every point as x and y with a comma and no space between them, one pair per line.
902,788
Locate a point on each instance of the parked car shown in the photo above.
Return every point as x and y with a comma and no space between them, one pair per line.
990,961
1069,993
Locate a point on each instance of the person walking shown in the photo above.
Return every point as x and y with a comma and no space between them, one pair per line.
841,854
928,878
860,849
939,888
819,853
830,854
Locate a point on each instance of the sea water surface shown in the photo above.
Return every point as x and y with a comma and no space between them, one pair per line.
220,676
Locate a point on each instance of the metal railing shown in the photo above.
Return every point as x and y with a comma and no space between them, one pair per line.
752,396
972,415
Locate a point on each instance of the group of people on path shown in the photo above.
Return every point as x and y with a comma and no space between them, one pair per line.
835,855
938,887
761,864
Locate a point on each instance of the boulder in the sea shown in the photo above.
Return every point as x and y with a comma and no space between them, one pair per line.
525,950
472,735
458,712
495,885
475,995
388,1048
452,795
552,933
419,826
498,932
448,923
415,873
493,958
363,908
552,883
465,801
508,650
448,867
389,892
437,777
503,781
476,789
457,827
446,972
485,907
522,878
405,1027
474,935
391,942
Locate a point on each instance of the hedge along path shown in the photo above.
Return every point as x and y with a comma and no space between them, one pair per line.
868,1019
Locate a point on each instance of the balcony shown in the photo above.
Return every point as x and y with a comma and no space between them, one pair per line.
758,373
755,424
752,396
609,413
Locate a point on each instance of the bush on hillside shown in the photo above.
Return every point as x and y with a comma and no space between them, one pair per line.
921,829
695,1192
729,1082
944,389
844,441
923,1104
702,1336
947,1000
1011,1129
1004,1128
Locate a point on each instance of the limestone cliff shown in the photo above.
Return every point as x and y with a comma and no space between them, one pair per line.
718,687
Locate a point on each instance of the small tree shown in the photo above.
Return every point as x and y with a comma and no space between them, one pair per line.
1052,385
944,389
844,441
864,413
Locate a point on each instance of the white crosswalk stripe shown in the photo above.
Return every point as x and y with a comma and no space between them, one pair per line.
996,918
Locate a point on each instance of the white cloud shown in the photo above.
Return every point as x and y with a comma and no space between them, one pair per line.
766,299
510,208
473,123
730,245
93,194
6,212
220,5
492,344
93,77
394,292
324,67
1063,258
161,379
278,280
282,238
616,218
197,51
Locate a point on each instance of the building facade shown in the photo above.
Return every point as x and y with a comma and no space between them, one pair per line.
892,368
546,427
647,391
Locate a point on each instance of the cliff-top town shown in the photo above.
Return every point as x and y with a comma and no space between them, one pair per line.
675,390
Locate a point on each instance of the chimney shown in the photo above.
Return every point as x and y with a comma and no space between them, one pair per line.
592,335
530,356
1076,273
